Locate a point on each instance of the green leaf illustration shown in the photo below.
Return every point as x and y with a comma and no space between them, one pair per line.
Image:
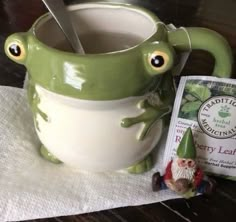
191,98
200,92
192,115
183,101
191,106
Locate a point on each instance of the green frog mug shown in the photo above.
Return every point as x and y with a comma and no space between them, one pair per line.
104,110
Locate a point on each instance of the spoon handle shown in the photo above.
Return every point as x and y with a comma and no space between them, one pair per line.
58,11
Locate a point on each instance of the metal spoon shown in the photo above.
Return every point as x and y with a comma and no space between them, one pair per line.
58,11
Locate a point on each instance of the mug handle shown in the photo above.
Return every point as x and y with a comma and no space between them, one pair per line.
186,39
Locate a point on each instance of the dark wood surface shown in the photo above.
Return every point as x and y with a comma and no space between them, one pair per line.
219,15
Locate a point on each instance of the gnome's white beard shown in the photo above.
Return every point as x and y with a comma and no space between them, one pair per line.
181,172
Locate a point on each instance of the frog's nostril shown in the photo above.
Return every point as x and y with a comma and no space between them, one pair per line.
15,50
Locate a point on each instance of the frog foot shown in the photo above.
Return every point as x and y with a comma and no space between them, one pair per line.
48,156
150,115
142,166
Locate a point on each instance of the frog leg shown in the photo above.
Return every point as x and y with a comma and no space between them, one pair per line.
34,101
48,156
142,166
150,115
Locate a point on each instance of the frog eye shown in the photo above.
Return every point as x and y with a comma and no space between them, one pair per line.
159,57
158,60
16,51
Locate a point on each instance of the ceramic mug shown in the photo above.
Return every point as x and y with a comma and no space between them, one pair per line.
104,110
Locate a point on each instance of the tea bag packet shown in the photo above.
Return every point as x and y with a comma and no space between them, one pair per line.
208,106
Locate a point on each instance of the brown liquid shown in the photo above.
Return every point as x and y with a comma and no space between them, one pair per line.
104,42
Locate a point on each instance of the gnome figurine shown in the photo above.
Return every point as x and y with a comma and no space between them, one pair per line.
182,175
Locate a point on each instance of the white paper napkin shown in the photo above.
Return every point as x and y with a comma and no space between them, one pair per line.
31,187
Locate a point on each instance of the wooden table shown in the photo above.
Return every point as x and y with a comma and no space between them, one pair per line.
18,15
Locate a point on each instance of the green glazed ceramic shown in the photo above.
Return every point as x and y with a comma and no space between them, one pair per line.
103,110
